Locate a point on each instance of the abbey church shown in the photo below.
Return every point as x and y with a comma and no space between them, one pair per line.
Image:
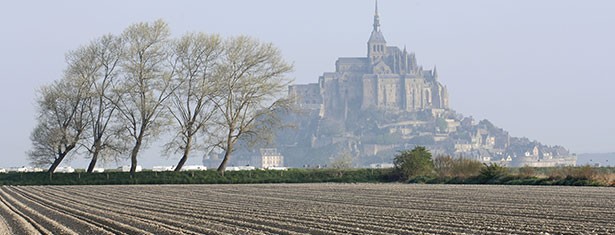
388,78
371,107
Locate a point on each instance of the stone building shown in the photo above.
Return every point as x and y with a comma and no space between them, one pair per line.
307,96
269,158
388,78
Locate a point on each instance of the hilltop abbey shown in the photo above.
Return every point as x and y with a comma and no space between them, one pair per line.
388,78
374,106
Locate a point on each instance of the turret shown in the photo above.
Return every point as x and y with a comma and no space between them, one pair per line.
405,66
412,63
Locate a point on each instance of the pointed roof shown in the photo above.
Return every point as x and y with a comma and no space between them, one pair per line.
376,36
376,19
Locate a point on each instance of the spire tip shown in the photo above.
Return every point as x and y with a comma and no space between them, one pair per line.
376,19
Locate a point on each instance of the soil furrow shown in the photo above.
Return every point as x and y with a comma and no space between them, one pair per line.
12,221
343,224
256,214
62,216
313,209
162,217
40,222
115,222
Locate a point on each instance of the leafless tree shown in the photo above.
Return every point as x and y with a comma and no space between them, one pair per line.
61,122
146,83
343,160
190,104
128,88
98,66
250,79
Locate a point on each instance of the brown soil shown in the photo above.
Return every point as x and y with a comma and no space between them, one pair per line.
306,209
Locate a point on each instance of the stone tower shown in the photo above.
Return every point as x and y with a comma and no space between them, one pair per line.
376,45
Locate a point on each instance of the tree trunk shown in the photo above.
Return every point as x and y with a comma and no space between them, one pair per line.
227,156
133,157
183,160
95,153
229,150
57,162
93,161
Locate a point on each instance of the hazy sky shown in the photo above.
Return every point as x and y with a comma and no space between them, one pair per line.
540,69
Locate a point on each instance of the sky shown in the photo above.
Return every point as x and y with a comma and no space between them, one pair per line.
539,69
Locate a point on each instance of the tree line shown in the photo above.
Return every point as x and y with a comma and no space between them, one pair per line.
121,92
417,166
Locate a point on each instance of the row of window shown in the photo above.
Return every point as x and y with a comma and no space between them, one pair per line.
379,48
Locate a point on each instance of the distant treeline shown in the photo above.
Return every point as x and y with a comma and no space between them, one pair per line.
492,174
199,177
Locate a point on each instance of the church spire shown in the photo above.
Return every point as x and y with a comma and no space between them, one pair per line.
376,45
376,36
376,19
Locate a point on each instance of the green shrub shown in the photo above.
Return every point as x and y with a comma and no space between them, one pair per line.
414,163
492,173
423,180
462,168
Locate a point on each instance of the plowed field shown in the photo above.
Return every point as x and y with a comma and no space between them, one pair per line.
306,208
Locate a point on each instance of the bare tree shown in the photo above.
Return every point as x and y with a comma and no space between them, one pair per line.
133,85
98,66
61,122
145,84
190,104
342,161
250,79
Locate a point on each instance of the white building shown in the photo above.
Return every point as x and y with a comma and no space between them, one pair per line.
64,169
127,168
270,158
240,168
194,168
381,165
163,168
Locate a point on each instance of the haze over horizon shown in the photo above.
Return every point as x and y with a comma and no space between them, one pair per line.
539,69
